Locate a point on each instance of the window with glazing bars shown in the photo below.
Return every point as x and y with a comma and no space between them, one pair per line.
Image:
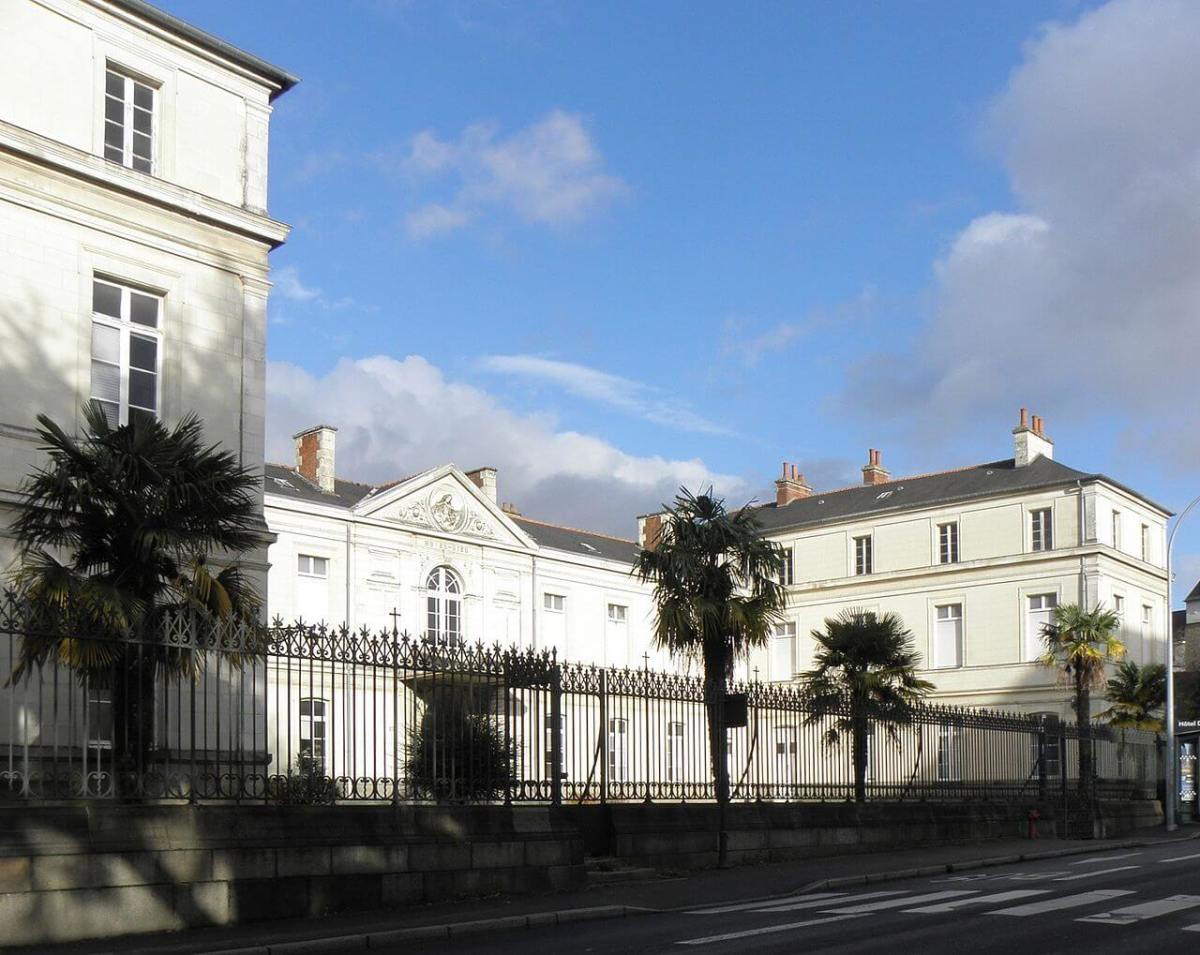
948,543
1041,534
787,567
128,121
674,751
312,736
862,555
126,352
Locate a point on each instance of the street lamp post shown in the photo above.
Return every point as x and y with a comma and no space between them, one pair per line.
1172,796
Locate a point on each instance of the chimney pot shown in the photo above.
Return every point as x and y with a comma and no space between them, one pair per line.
1024,418
315,458
873,471
791,487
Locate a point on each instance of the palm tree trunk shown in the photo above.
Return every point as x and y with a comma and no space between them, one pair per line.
859,746
714,698
1083,713
132,696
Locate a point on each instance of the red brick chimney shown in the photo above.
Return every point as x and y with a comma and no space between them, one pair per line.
650,530
873,471
315,455
791,487
485,480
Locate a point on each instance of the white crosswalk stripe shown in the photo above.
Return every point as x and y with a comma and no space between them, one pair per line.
768,905
1064,902
1096,874
825,903
1146,910
766,930
898,903
1009,896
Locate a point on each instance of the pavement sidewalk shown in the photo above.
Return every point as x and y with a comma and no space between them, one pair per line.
360,931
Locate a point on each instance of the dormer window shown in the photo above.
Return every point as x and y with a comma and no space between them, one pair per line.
128,121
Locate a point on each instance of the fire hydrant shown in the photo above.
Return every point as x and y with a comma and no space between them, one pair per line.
1033,817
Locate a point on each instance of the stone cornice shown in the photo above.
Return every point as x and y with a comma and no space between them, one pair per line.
81,165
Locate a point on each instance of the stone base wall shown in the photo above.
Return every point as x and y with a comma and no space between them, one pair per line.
685,837
101,871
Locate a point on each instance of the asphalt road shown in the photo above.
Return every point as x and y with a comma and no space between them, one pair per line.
1133,900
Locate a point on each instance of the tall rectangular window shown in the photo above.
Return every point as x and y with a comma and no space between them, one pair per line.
1041,533
948,636
99,718
1147,621
862,555
949,753
786,752
674,751
312,736
1145,542
1038,616
948,543
128,121
618,750
125,350
787,567
312,588
1119,610
1116,530
783,651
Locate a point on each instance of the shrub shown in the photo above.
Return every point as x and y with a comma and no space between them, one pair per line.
459,755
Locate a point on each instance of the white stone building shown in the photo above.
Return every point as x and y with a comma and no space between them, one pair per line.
134,239
438,551
133,225
973,560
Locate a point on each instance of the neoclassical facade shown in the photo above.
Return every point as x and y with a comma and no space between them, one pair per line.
434,555
973,560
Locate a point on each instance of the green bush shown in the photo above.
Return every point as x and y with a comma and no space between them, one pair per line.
459,755
307,785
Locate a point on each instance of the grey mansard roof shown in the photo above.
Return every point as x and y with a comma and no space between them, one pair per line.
964,484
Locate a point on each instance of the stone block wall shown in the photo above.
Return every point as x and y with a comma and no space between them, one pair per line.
101,871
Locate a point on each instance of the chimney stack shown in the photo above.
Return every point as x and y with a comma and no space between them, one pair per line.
485,480
1030,441
873,471
650,527
315,455
791,487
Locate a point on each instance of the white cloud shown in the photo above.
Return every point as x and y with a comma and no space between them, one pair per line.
287,283
749,348
397,418
550,173
624,394
1084,300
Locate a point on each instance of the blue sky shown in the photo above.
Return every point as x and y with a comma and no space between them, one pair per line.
612,248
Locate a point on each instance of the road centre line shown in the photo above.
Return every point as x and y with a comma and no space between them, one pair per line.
1094,875
1009,896
792,906
1147,910
766,930
1063,902
1127,855
817,897
899,903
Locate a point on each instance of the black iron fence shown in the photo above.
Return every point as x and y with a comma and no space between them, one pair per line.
316,715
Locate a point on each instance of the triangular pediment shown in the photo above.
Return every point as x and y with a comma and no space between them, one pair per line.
445,501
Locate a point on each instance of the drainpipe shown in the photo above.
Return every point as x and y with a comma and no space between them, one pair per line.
1082,541
349,574
533,603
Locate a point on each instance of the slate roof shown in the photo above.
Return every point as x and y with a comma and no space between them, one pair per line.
288,482
1194,595
964,484
588,543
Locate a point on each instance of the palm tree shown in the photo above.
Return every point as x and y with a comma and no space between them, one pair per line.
1136,694
866,671
114,540
716,595
1080,644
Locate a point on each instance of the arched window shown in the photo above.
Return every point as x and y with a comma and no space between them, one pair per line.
443,601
